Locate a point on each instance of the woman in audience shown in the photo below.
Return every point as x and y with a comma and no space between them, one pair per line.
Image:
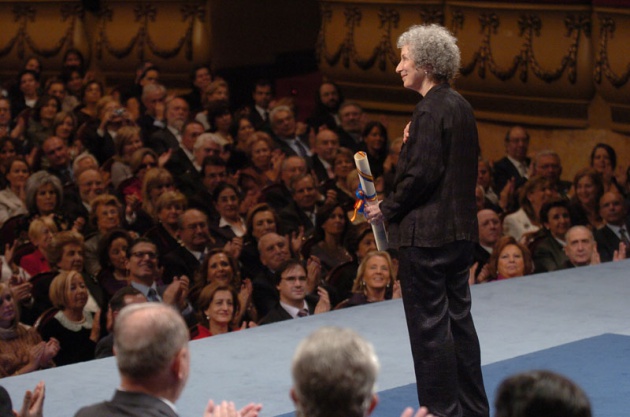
492,200
330,234
509,259
40,233
90,96
8,151
112,255
40,123
532,195
105,215
218,306
220,120
156,182
168,207
64,126
217,92
227,201
76,329
28,91
44,194
127,141
342,165
375,145
548,253
13,197
375,281
604,161
21,348
220,267
261,219
264,164
241,130
584,206
141,161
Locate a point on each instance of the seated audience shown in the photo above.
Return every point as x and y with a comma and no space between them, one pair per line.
127,142
490,231
604,162
227,202
21,347
526,220
165,234
218,306
376,281
515,164
581,248
156,181
548,253
342,166
584,207
105,216
510,259
375,144
295,301
501,202
44,194
112,260
265,164
547,164
39,126
330,235
13,196
325,149
614,211
76,329
261,219
40,233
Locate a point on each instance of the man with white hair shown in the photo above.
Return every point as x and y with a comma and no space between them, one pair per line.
153,359
153,98
284,128
334,375
171,136
182,159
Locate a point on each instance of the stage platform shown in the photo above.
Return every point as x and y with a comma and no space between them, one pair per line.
513,318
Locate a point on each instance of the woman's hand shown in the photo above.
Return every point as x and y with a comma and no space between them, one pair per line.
234,247
396,292
323,305
96,327
51,348
297,240
33,405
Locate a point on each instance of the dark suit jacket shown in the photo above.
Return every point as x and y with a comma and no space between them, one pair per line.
607,243
293,217
179,163
280,314
481,256
285,148
318,169
257,121
549,255
179,262
162,140
277,196
347,141
504,170
102,147
148,126
433,202
128,404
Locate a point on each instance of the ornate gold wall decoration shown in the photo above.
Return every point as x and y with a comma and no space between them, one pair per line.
23,14
525,61
144,14
602,63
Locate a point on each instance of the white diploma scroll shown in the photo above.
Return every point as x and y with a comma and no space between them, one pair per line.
367,184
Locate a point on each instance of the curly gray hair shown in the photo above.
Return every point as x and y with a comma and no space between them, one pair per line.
434,49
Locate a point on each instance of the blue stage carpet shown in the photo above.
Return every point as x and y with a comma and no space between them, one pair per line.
598,364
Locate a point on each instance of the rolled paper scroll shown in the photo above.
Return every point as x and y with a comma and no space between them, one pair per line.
367,183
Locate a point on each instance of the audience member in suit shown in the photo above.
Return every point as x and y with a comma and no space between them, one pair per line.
153,99
123,297
259,113
548,253
582,251
60,163
77,205
614,211
326,110
278,195
199,189
171,137
302,211
261,219
490,231
515,165
350,123
295,301
284,127
200,78
326,147
150,384
183,159
195,239
274,250
547,164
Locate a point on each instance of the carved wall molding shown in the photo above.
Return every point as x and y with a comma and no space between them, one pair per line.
603,67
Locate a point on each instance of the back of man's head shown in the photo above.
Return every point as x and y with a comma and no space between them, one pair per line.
334,373
147,338
541,393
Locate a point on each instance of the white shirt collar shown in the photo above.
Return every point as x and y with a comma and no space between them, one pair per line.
292,310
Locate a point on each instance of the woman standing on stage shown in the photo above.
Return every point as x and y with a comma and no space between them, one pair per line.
432,220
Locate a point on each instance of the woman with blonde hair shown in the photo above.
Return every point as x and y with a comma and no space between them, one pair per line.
76,330
526,220
156,182
40,233
127,141
375,281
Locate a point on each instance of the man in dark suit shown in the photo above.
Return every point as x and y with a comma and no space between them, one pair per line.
153,98
490,231
150,383
291,282
302,211
326,110
278,195
171,136
284,128
349,130
547,164
259,113
516,163
56,150
182,159
433,222
274,251
613,210
326,146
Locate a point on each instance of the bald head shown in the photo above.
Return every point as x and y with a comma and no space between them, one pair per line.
580,245
490,229
326,145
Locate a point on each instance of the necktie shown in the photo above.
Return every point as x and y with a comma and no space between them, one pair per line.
302,313
152,295
301,148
